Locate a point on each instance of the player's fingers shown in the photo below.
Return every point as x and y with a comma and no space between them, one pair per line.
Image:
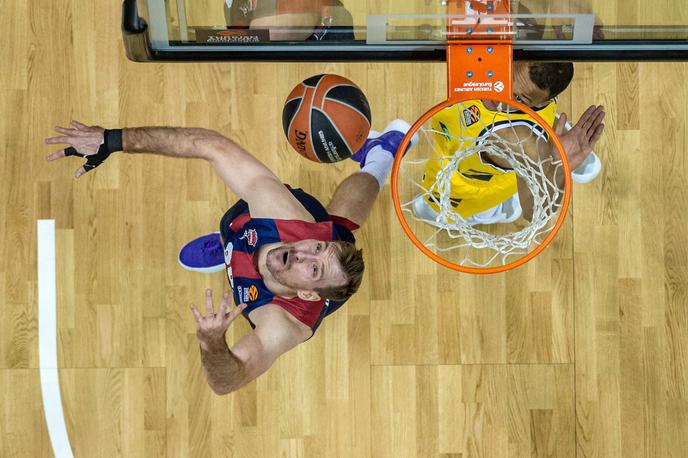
236,312
597,134
560,126
587,118
596,119
78,125
65,130
196,313
209,302
223,314
586,114
226,313
591,109
599,115
225,299
56,155
62,139
80,171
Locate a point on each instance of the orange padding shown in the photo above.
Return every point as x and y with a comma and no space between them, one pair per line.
481,68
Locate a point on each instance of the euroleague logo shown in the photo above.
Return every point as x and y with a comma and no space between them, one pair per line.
480,86
247,294
252,293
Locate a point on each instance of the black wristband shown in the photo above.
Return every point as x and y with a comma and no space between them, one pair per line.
113,140
112,143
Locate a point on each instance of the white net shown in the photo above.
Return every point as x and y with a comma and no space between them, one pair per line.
463,184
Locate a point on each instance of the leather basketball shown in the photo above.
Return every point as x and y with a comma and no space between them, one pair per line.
326,118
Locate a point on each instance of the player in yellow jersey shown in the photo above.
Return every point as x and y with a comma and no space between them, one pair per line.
484,189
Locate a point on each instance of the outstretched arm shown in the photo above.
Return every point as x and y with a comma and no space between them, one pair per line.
245,175
238,168
578,143
222,368
228,370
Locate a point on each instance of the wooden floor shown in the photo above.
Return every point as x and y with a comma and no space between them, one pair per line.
584,352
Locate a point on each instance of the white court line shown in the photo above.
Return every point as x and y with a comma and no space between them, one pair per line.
47,340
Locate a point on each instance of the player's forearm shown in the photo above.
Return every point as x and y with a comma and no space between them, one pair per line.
173,141
525,198
239,169
223,370
574,161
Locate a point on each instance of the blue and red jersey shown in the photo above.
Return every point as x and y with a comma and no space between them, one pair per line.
243,236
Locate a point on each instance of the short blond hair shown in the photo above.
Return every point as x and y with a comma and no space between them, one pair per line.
351,261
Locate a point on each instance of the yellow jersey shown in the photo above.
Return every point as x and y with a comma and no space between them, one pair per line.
477,185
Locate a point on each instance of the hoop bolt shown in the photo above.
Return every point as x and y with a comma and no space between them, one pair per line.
469,74
469,50
490,74
469,31
490,50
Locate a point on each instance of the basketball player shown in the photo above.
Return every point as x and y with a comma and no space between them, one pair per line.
289,261
484,189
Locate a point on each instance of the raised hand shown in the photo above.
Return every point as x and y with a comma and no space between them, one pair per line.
83,140
580,141
212,327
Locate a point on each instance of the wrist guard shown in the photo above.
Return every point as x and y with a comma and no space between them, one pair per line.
112,143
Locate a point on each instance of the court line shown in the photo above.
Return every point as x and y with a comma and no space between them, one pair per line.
47,340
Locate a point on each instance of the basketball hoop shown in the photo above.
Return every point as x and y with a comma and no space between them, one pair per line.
442,203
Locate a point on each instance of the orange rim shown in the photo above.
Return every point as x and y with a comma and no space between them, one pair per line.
481,270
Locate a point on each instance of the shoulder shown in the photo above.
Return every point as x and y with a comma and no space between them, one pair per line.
274,320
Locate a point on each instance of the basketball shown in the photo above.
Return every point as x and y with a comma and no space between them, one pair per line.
326,118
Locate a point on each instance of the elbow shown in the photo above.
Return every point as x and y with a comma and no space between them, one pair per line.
222,390
210,145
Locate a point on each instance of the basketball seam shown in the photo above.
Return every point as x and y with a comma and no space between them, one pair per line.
310,110
295,112
349,106
334,126
348,85
322,76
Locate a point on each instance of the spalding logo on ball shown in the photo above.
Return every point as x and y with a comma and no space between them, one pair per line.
326,118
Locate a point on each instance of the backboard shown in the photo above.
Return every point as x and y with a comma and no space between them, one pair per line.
361,30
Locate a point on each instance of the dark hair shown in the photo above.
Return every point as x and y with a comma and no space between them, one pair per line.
352,264
553,77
